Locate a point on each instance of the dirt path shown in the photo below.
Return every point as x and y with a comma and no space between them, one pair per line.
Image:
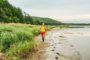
56,47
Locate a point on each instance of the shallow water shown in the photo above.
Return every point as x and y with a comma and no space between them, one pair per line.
65,44
80,38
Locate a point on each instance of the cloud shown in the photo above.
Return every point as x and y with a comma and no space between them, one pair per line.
57,9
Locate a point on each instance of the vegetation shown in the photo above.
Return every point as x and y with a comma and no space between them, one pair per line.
47,21
17,40
38,20
9,14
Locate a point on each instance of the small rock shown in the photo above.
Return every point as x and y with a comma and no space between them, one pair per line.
56,58
58,53
71,45
52,50
62,36
54,47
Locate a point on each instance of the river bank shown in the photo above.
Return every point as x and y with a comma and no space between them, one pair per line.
56,47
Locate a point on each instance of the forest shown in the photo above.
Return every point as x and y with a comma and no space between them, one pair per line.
12,14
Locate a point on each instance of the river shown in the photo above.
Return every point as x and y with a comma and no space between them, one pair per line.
80,38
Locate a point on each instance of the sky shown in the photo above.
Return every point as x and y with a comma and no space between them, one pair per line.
77,11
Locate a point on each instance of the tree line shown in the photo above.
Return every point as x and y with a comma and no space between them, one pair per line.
12,14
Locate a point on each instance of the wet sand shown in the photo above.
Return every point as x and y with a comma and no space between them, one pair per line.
56,47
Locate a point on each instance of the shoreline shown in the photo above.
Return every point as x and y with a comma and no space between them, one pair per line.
55,48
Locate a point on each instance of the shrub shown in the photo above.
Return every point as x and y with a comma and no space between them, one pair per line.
36,31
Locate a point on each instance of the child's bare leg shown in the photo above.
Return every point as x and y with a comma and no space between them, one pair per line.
43,38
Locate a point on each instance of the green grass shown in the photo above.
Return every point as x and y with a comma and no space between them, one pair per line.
16,40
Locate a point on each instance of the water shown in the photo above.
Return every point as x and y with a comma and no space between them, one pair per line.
65,44
80,38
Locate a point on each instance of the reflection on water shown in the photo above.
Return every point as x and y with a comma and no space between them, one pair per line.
80,38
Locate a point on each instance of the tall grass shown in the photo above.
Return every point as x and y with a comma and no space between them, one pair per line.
17,40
